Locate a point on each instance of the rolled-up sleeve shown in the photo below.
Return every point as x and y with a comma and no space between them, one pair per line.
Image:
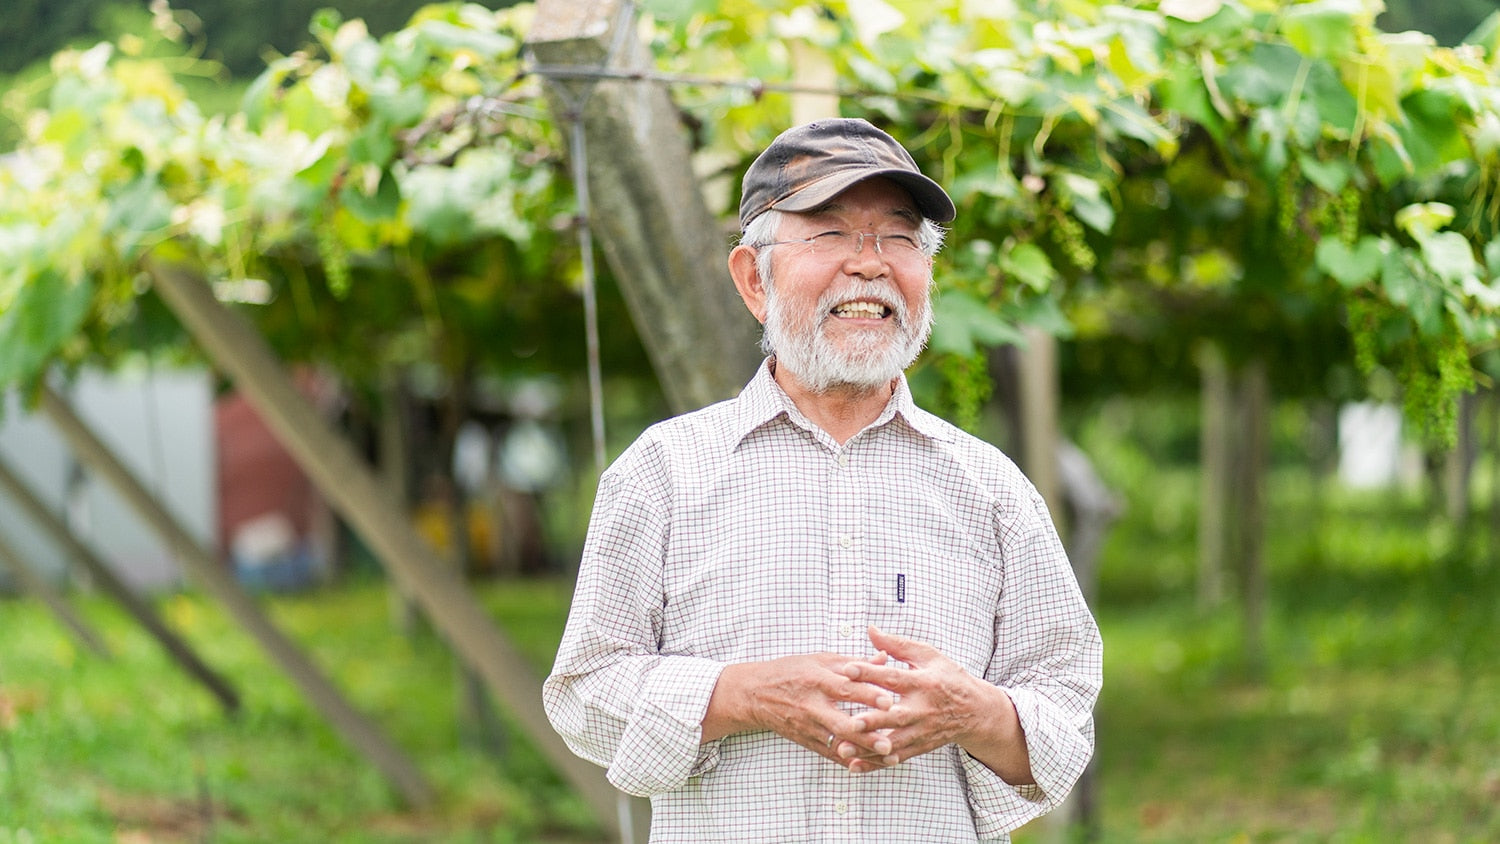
612,696
1049,658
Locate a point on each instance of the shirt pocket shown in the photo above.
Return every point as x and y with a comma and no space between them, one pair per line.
943,591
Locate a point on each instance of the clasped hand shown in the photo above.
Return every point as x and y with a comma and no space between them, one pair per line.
897,713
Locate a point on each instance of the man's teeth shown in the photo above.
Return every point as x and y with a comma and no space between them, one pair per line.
861,310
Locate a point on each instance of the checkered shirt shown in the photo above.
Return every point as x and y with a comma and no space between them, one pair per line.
743,532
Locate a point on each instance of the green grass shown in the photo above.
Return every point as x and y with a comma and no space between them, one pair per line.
129,749
1375,717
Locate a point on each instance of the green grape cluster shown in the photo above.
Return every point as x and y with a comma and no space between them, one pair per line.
335,257
1434,377
1068,234
967,378
1287,201
1364,324
1350,203
1434,372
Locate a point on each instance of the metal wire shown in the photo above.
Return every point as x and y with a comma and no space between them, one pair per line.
579,154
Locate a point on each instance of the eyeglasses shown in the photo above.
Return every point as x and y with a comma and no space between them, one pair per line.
892,246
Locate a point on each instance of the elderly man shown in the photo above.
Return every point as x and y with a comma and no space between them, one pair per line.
816,612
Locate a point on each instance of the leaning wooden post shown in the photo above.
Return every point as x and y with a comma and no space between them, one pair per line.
37,586
665,246
351,486
105,578
361,733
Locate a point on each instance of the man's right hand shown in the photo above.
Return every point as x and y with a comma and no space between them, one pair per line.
798,697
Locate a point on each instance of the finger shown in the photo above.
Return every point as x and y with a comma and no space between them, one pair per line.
854,737
892,680
872,695
895,746
848,750
887,722
872,744
909,651
868,761
860,740
865,766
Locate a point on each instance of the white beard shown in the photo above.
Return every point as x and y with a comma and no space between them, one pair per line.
867,361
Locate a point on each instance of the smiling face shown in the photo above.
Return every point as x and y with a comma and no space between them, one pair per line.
837,318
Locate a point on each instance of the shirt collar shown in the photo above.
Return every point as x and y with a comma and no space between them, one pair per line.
762,400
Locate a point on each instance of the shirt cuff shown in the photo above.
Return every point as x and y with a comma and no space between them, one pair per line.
661,746
1058,752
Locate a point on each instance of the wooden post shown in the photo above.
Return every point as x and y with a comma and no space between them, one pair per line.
37,586
353,489
105,578
813,67
361,733
666,248
1037,363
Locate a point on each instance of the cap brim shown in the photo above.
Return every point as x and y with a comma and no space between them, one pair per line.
932,201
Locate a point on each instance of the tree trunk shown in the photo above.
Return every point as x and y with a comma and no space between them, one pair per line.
105,578
394,477
1253,398
361,733
1494,555
1322,442
38,587
352,488
666,248
1458,465
1216,450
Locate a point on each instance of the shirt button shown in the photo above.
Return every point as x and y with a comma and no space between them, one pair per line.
840,807
846,541
843,460
846,630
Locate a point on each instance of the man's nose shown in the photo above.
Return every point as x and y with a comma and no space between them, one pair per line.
865,259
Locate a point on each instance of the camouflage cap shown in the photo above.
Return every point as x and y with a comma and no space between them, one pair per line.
810,164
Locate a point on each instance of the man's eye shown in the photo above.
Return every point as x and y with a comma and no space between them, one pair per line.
831,238
899,241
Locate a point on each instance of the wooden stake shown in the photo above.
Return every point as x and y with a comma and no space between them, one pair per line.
105,578
359,732
37,586
352,488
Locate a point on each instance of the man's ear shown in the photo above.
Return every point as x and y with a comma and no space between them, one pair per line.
747,280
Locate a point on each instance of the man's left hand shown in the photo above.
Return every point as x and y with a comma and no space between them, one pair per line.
939,703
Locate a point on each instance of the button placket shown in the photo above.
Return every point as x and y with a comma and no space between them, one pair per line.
846,575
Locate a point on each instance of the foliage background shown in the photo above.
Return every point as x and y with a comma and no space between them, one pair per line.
238,32
1373,719
235,33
